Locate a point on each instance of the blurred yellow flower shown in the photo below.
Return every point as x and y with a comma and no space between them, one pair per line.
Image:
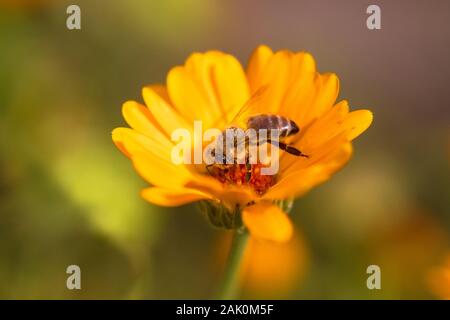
439,280
268,268
272,268
213,87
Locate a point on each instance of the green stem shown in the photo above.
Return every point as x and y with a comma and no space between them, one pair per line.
230,282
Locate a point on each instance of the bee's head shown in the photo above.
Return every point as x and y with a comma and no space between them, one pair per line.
294,128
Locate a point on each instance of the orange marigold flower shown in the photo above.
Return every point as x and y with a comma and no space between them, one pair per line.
268,268
272,268
213,87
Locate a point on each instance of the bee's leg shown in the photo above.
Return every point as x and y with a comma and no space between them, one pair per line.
290,149
248,172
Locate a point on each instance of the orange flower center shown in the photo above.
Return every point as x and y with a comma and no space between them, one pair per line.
243,174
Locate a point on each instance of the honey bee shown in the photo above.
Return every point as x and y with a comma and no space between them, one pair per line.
268,122
280,125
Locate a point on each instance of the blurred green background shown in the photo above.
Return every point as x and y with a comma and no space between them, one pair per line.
67,195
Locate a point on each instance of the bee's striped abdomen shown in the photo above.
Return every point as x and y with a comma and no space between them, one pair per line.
285,126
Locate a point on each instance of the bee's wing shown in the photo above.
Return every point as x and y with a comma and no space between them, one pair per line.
250,108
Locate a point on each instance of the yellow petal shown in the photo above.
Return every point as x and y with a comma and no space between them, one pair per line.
267,221
133,142
306,65
256,66
287,76
161,91
208,87
140,119
173,197
232,196
334,122
166,116
297,183
319,138
152,160
118,141
301,92
326,127
188,98
277,76
357,122
331,155
222,81
336,159
328,95
326,92
160,172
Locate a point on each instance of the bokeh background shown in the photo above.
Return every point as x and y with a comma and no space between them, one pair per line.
67,196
